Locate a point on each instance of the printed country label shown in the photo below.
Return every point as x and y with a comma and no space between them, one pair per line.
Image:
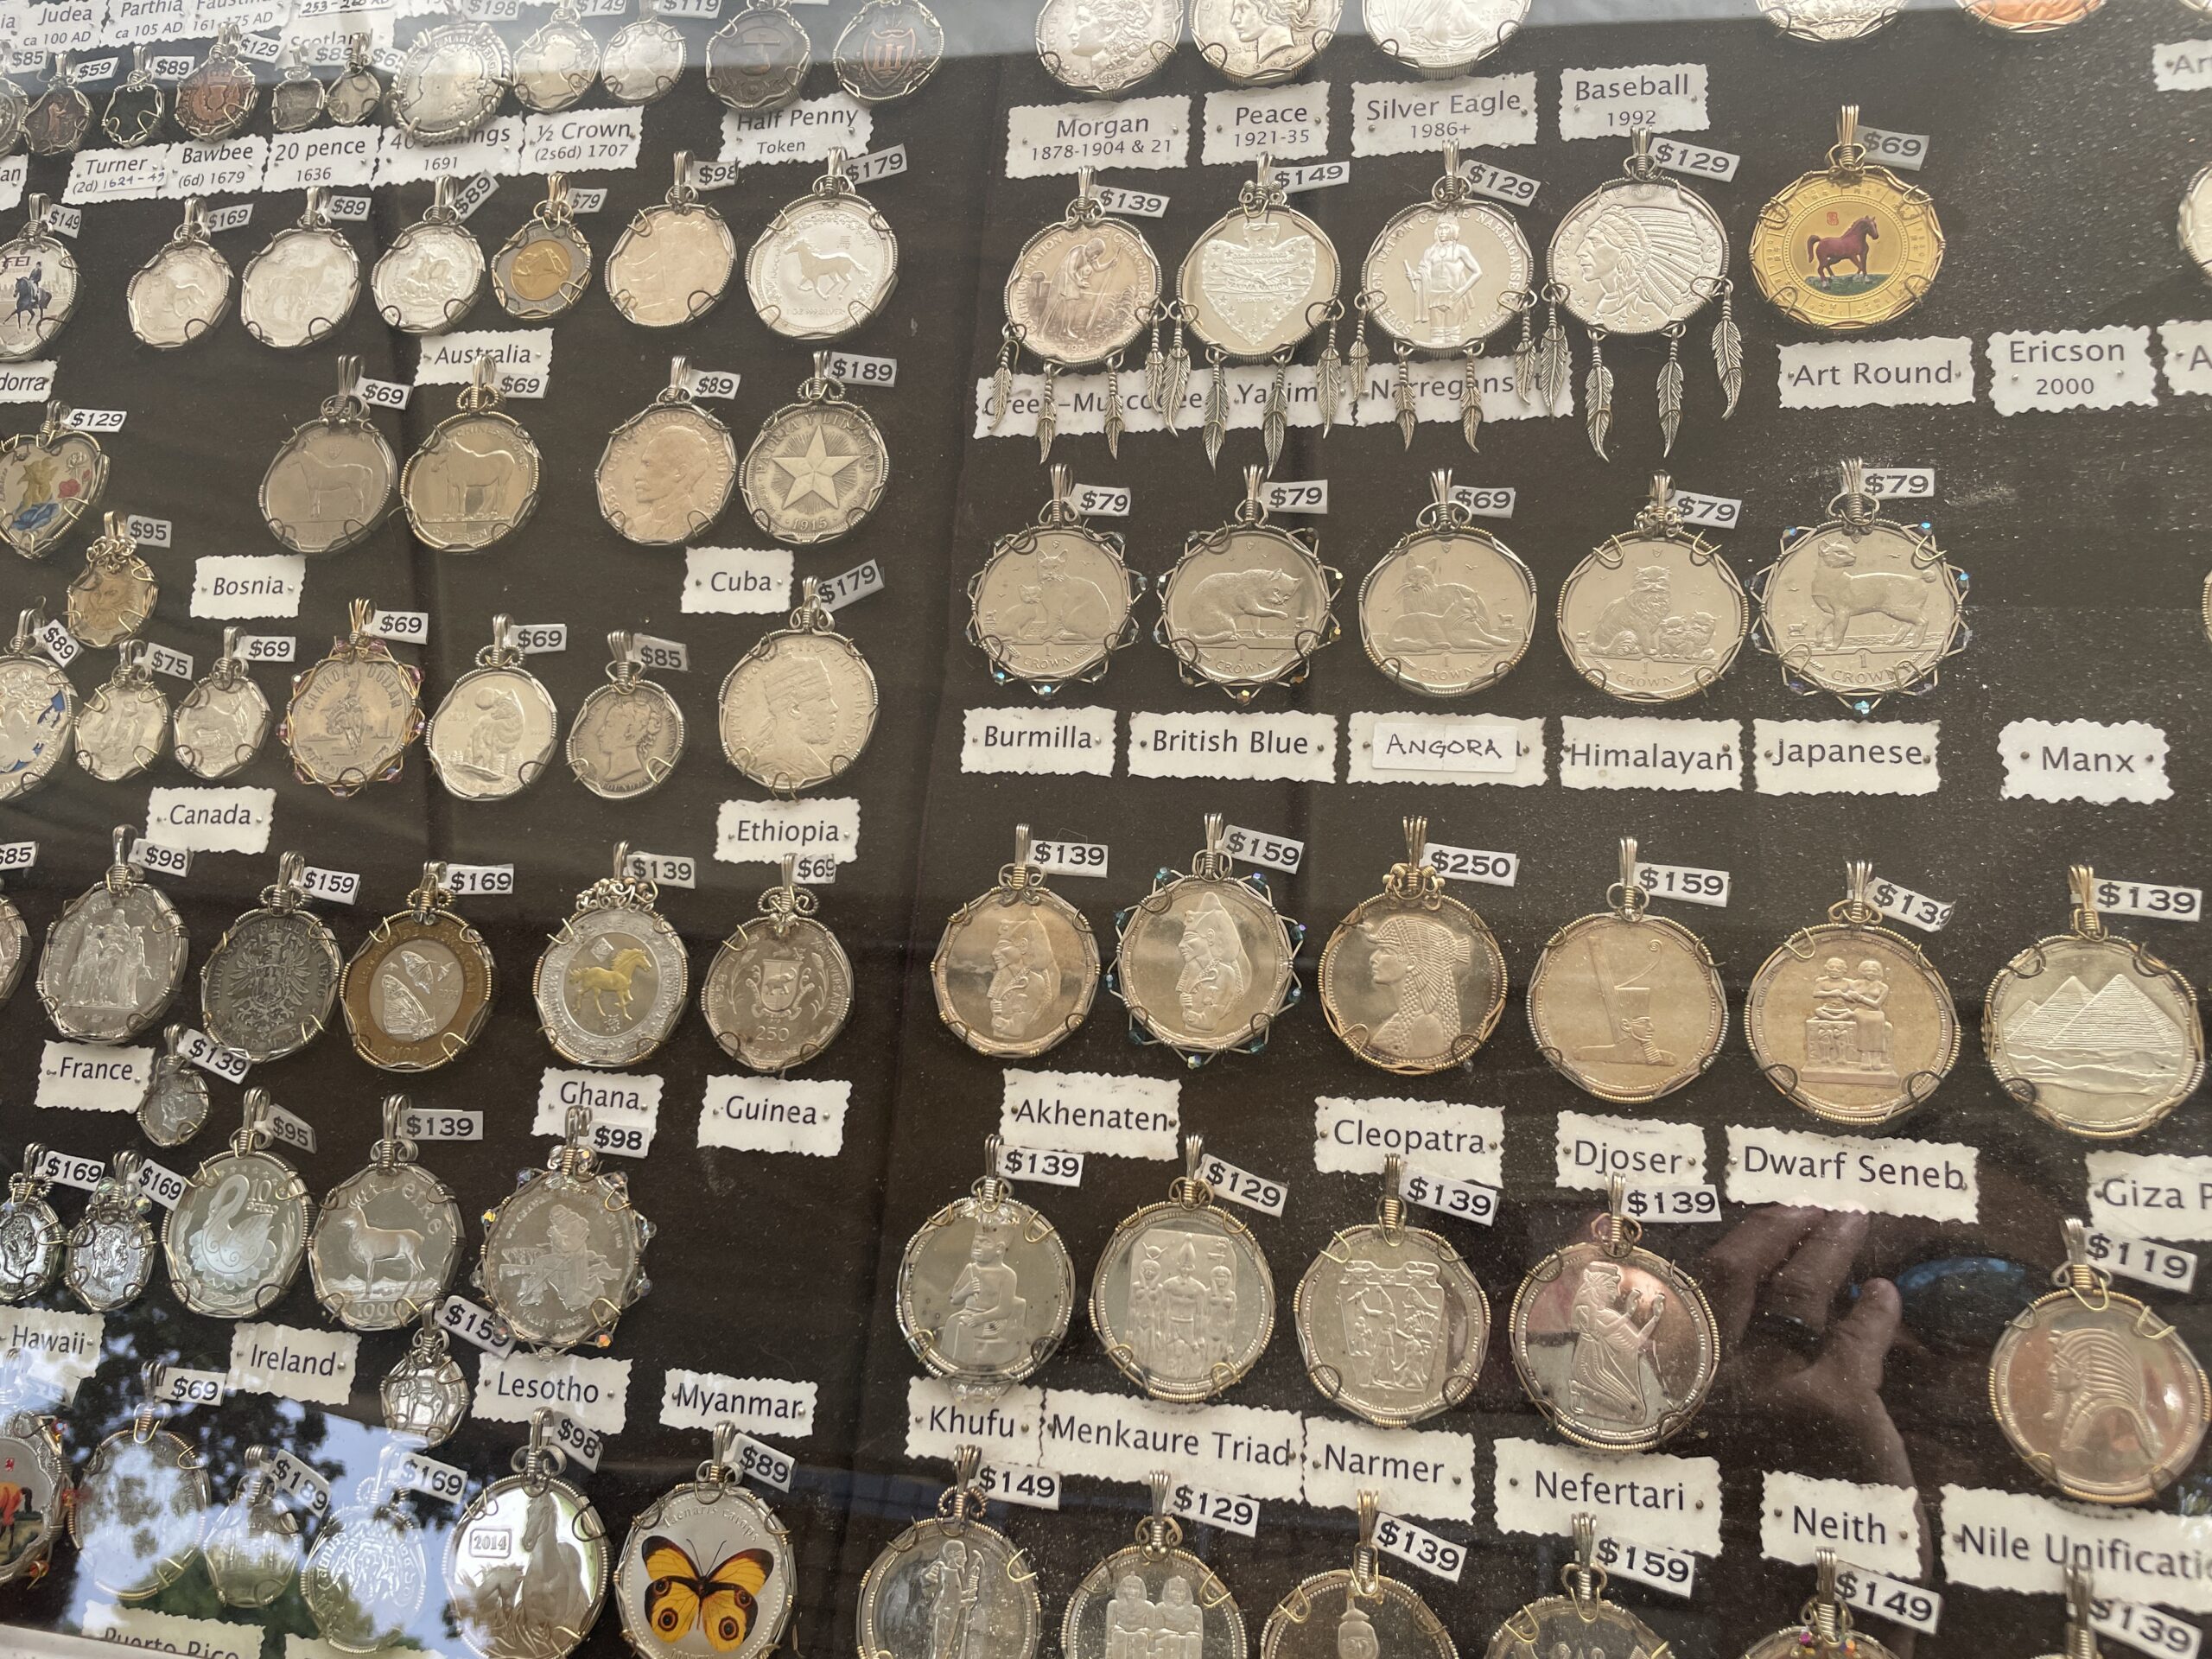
1393,117
2012,1540
737,580
1038,741
1866,1525
59,1350
2084,760
2185,357
1857,373
1935,1179
593,1393
92,1077
1092,1113
1006,1428
523,358
227,587
1591,1149
1299,747
1353,1136
142,1628
761,832
26,383
211,820
1428,1472
1844,757
625,1107
1649,751
757,1405
292,1364
793,1115
1647,1499
2164,1196
2071,368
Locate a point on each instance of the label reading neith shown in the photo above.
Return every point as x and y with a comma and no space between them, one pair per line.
1935,1179
593,1393
1869,1525
1647,1499
1353,1136
1592,1149
1038,741
1092,1113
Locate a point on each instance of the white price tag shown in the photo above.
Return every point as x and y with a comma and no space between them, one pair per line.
581,1445
474,194
428,1124
68,1169
1709,511
540,639
588,201
21,854
147,531
1650,1204
2145,1628
1891,1599
2137,1258
665,869
712,175
409,627
853,369
92,70
1682,881
261,48
67,221
95,420
1132,204
1906,150
57,642
349,210
297,1479
432,1479
760,1461
858,582
179,1387
1103,500
1062,857
476,1324
1242,1186
1045,1164
1419,1546
1700,163
236,217
1913,909
333,887
719,384
888,163
292,1129
161,1183
1275,852
1295,495
463,879
383,394
1473,864
1499,183
161,659
2148,899
672,656
620,1139
1468,1200
815,870
268,647
165,67
1318,176
1023,1484
1485,501
157,860
1673,1571
1900,483
1225,1510
709,10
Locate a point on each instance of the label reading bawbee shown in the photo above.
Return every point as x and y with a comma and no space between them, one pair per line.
1591,1148
1936,1180
756,1404
1428,1472
750,1114
1393,117
2164,1196
592,1392
1845,757
737,580
292,1364
1038,741
1353,1136
1091,1112
1647,1499
1867,1525
92,1077
1299,747
1855,373
1649,751
229,586
2084,760
211,820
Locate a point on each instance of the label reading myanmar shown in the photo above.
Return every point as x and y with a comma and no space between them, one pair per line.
1399,748
1092,1112
592,1392
1845,757
800,1115
624,1108
316,1366
822,834
1428,1472
2163,1195
1855,373
1301,748
1934,1179
1392,117
1043,139
1038,741
756,1404
211,820
1287,124
2084,760
2011,1540
1610,102
1591,1149
1648,1497
805,131
89,1077
1353,1136
1008,1428
227,587
1650,751
1874,1525
737,580
2071,368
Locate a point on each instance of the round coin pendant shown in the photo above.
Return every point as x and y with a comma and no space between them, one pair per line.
252,1548
2030,16
353,716
2099,1395
39,269
1627,1006
610,986
629,735
38,714
1413,981
1850,1020
31,1450
1256,281
299,289
355,95
758,60
235,1239
183,290
15,948
475,481
712,1532
14,108
426,1394
60,116
673,260
1083,288
825,264
817,468
779,988
2196,219
175,1106
496,729
1154,1593
1582,1621
1830,20
139,1509
224,719
643,62
427,279
1616,1345
1182,1298
665,474
1851,247
449,82
564,1254
1358,1614
332,482
1054,601
365,1574
1449,610
887,50
1445,38
526,1564
213,101
1105,47
32,1238
111,598
388,1237
1655,615
125,724
113,958
1247,605
950,1584
419,989
798,707
1254,46
1824,1626
112,1248
49,480
1446,272
297,102
268,987
556,65
1016,968
2091,1032
542,269
985,1289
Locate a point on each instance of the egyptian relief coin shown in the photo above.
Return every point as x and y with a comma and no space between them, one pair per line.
1412,982
1852,1022
1869,612
38,719
824,265
944,1585
1448,612
493,734
1183,1301
179,294
1247,606
1080,290
1106,47
1618,1347
1015,971
473,483
39,269
1391,1323
1255,283
1259,45
1331,1617
887,50
1830,20
1439,276
49,480
111,963
1628,1007
427,279
775,997
1446,37
1204,965
1155,1595
555,65
329,485
298,289
1653,617
986,1287
672,263
610,986
758,60
1052,603
642,63
815,470
269,986
1593,1627
666,474
798,709
385,1245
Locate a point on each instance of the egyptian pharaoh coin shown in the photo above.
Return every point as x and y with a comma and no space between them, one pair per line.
1360,1614
1439,277
1016,968
1106,47
1205,962
985,1289
1155,1592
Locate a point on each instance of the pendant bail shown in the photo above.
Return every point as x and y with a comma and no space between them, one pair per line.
1585,1580
1417,828
966,1461
1022,859
1627,895
1366,1573
1194,1147
991,1188
1846,134
622,862
1390,1211
1828,1618
1062,508
2086,922
557,195
1253,510
1213,863
679,188
1639,164
833,173
442,197
721,1460
254,1119
2081,1635
1859,891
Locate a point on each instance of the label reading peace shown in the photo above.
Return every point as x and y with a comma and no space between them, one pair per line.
463,879
1891,1599
1468,1200
2139,1259
1067,857
1473,864
2145,1627
1682,1204
1275,852
853,369
756,1460
1906,150
1053,1167
432,1123
475,1325
1485,501
1913,909
157,860
1227,1511
1900,483
1419,1546
160,1184
1673,1571
181,1386
2138,899
1131,204
665,869
1295,495
268,647
1103,500
1242,1186
1682,881
1696,160
1710,512
1013,1483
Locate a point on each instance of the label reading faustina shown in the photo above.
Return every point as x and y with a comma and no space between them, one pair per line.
227,587
1299,747
91,1077
737,580
1646,1498
1092,1113
1285,123
2084,760
1650,751
1396,748
1038,741
1935,1179
2071,368
800,1115
292,1364
2012,1540
211,820
1391,118
1857,373
1042,139
1867,1525
1592,1148
1353,1136
2165,1196
1008,1427
817,832
593,1393
1428,1472
1611,102
1845,757
756,1404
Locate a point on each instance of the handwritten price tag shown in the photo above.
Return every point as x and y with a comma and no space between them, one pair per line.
1242,1186
1053,1167
1468,1200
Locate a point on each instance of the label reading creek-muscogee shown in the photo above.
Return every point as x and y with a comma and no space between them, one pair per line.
1650,751
2071,368
1300,748
1043,139
1855,373
1092,1113
2011,1540
1935,1179
1352,1137
1646,1498
2084,760
1844,757
592,1392
795,1115
1036,741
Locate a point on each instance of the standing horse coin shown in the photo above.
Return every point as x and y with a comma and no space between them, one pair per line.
475,481
758,60
49,479
38,712
666,473
1449,610
887,50
142,1506
39,282
643,62
419,989
331,482
114,956
125,724
1106,47
526,1564
449,82
1154,1587
542,269
235,1239
556,65
1851,247
610,986
1016,968
299,290
781,986
496,729
826,263
224,719
269,986
628,735
817,466
564,1254
799,706
354,714
707,1568
429,278
956,1561
387,1238
1657,614
674,259
216,98
184,291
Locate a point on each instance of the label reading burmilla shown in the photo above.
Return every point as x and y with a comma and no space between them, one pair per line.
1652,1499
2084,760
1395,117
1874,1525
1611,103
1038,741
1650,751
1092,1112
1934,1179
1353,1136
1043,139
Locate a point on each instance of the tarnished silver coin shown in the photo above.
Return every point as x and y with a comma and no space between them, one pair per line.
817,466
48,479
610,985
353,716
1258,278
1450,609
1204,962
712,1532
426,1394
213,101
111,1248
113,958
665,474
252,1548
1443,37
674,260
1656,614
475,481
15,947
123,726
826,263
565,1253
496,729
526,1564
365,1574
139,1509
111,599
60,116
1155,1598
1182,1298
449,82
758,60
135,108
1054,601
1362,1614
296,102
1255,45
1082,289
175,1106
183,290
557,64
224,719
354,95
31,1451
331,480
32,1237
779,990
38,713
887,50
798,707
545,267
1446,272
986,1287
628,735
1106,47
2196,219
387,1238
1830,20
1016,968
643,62
268,987
429,278
38,269
15,106
1247,605
234,1242
950,1585
301,288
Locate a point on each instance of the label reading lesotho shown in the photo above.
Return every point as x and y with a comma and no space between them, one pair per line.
440,1124
1468,1200
2140,1259
1913,909
1070,857
1688,1204
1242,1186
1678,156
157,860
1419,1546
1013,1483
1473,864
2140,899
1682,881
2144,1627
1485,501
1225,1510
1672,1571
475,1325
1053,1167
1275,852
1298,495
1892,1598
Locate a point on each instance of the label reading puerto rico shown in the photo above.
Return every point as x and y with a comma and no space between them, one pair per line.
1649,751
1091,1112
1393,118
1043,139
1855,373
1845,757
1300,748
1611,103
593,1393
794,1115
1058,742
2084,760
1934,1179
2071,368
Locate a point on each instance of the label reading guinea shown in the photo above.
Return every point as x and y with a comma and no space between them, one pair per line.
625,1108
211,820
227,587
1611,103
1391,118
593,1393
1396,748
1285,123
1428,1472
1591,1148
1092,1113
1649,751
756,1404
2084,760
1646,1497
1043,139
1855,373
1935,1179
1845,757
316,1366
800,1115
92,1077
1352,1137
2071,368
1873,1526
2163,1196
826,831
737,580
1037,741
1302,748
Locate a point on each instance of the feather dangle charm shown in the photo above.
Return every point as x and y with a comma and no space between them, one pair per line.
1216,420
1553,361
1002,380
1274,417
1598,396
1728,350
1524,355
1114,405
1360,360
1471,397
1178,378
1329,377
1401,394
1670,391
1048,413
1155,368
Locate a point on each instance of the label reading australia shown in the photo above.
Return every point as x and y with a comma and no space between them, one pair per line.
1845,757
737,580
1038,740
1042,139
801,1114
2084,760
756,1404
1387,748
1393,117
1868,1526
593,1393
2167,1196
1092,1113
761,832
1592,1148
2071,368
1647,1499
1353,1136
227,587
1855,373
211,820
1648,752
293,1364
1302,748
1935,1179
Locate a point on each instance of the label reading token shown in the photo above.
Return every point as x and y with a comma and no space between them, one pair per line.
383,394
432,1479
852,369
1288,495
175,664
1913,909
268,647
1055,1168
1500,184
759,1461
21,854
1690,886
1698,161
1419,1546
1673,1571
540,639
333,886
57,642
297,1479
2144,1627
1891,1599
1026,1484
1103,500
69,1169
2148,899
1473,864
147,532
1713,512
181,1386
292,1129
665,869
2137,1258
160,1184
713,383
1468,1200
462,879
1906,150
579,1445
1131,204
1276,852
671,655
236,217
1319,176
410,627
858,582
887,163
157,860
475,1325
1483,501
1901,483
426,1123
1650,1204
1242,1186
1061,857
1227,1511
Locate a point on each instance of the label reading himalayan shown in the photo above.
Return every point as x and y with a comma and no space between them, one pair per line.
761,832
292,1364
1428,1472
2165,1196
2185,357
1648,752
1646,1498
2011,1540
800,1115
592,1393
1302,748
1868,1526
805,131
61,1349
755,1405
91,1077
1245,1449
1844,757
2071,368
1006,1428
628,1105
1352,1137
211,820
1037,741
1935,1179
2084,760
1043,139
1857,373
1092,1113
737,580
1391,118
227,587
1455,738
1610,102
1284,124
1589,1149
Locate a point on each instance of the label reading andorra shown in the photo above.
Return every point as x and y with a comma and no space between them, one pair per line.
1044,139
1300,748
227,587
624,1108
1871,1525
756,1404
1391,118
314,1366
1038,740
1650,751
211,820
805,131
1008,1427
2165,1195
27,383
737,580
1428,1472
1845,757
1284,122
593,1393
524,358
2184,356
1610,102
1403,748
2014,1541
1648,1497
1935,1179
1352,1137
1591,1149
796,1115
2071,368
1854,374
1241,1186
1092,1112
87,1077
2084,760
824,833
2182,66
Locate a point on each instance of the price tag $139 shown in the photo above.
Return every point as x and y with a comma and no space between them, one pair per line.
1054,1167
1422,1547
1468,1200
2145,1628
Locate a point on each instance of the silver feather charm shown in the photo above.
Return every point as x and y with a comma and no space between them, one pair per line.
1524,359
1598,399
1114,405
1178,381
1329,381
1401,397
1553,364
1670,397
1048,414
1217,421
1156,371
1470,400
1361,362
1274,417
1002,381
1728,353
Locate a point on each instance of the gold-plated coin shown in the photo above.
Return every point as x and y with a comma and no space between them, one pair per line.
2030,16
48,479
1017,966
1656,615
610,985
545,267
419,988
1850,247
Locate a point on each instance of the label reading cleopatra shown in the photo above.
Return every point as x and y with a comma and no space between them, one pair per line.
2071,368
1871,1525
1092,1113
756,1404
1449,1138
313,1366
1936,1180
1044,139
1296,747
2084,760
1845,757
791,1115
1646,1497
229,587
593,1393
1038,741
1650,751
1391,118
737,580
211,820
1891,373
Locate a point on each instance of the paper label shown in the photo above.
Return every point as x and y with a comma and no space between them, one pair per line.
2071,368
523,356
1352,1137
1873,1526
27,383
117,174
235,166
2161,1265
1913,909
1905,151
593,1392
1044,139
291,1363
1115,1437
1468,1201
2185,357
1393,117
1428,1472
2182,66
1472,733
1935,1179
1444,747
1038,740
737,580
1647,1499
1591,1148
805,131
59,1350
1299,747
1089,858
1007,1429
1092,1112
800,1115
331,157
13,172
1845,757
1854,374
757,1405
624,1108
823,833
1285,123
2010,1540
91,1077
141,1628
1052,1167
1610,102
229,586
2084,760
2162,1195
496,148
582,141
1650,751
2144,1629
211,820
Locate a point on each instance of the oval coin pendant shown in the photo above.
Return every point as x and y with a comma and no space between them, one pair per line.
32,1238
1360,1613
1054,601
817,468
780,987
366,1574
213,101
1830,20
427,279
475,481
14,109
610,985
758,60
298,290
111,1250
542,269
224,719
1851,247
31,1450
643,62
235,1239
496,729
556,65
1106,47
1247,605
1449,610
449,82
673,260
175,1106
49,480
419,988
526,1564
665,474
426,1394
951,1572
332,482
268,987
887,50
1016,968
1252,48
183,290
114,958
564,1253
354,95
1582,1621
39,269
1655,615
61,116
1083,288
1445,38
353,716
140,1509
1155,1594
296,102
629,735
111,598
252,1547
798,707
388,1237
38,714
711,1522
15,948
125,724
826,263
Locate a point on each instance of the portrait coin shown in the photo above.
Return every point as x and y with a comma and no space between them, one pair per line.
625,739
1638,255
1412,985
449,82
1618,1348
671,265
666,474
824,267
1081,292
815,470
2196,219
563,1257
642,63
1258,46
1830,20
1106,47
986,1287
798,709
1204,965
1015,972
38,721
555,65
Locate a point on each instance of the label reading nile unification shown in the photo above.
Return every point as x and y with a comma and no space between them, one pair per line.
1870,1525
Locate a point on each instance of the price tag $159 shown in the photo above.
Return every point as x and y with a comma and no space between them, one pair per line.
1673,1571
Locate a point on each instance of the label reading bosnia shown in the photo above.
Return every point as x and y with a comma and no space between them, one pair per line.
737,580
228,586
59,1350
1389,117
292,1364
1008,1427
755,1405
1591,1149
89,1077
761,832
805,131
1284,124
211,820
1037,741
1042,139
2071,368
1649,751
801,1114
1365,731
1647,1499
2010,1540
1867,1525
522,357
625,1109
2163,1197
2084,760
1936,1180
1844,757
1856,373
593,1393
2185,357
1352,1137
1244,1449
1092,1113
1609,103
1302,748
1428,1472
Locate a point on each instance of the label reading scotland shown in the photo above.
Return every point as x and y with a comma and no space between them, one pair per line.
316,1366
757,1405
1008,1429
805,131
1609,103
2084,760
1845,757
1352,1137
593,1393
1233,1449
1428,1472
1875,1526
1092,1113
801,1114
1389,117
1285,124
211,820
1855,373
1935,1179
1298,748
625,1108
1038,741
1044,139
87,1077
1645,1497
737,580
822,833
227,587
1591,1148
1378,747
1648,752
2012,1540
2071,368
2165,1196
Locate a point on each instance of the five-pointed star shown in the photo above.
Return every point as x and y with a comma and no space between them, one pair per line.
814,473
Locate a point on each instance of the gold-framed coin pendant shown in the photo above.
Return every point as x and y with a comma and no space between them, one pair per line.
1053,604
1846,248
418,990
1413,981
111,598
796,973
666,473
671,236
2027,18
1212,1233
1545,1626
1016,970
1449,637
1247,606
789,720
1653,616
474,482
43,729
1241,951
542,269
1349,1615
1597,999
1393,1261
356,665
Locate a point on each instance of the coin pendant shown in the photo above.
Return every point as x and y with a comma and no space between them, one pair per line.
297,103
798,709
1015,971
1441,278
353,97
173,1109
775,999
213,101
38,722
139,1512
1255,283
825,266
1247,606
329,485
758,60
179,295
493,734
427,279
1861,610
1627,1009
1594,1627
706,1522
563,1256
2030,16
473,483
1653,616
1163,1597
122,730
1843,251
15,947
992,1587
450,84
1106,47
30,1450
526,1568
642,63
49,480
299,289
365,1575
1638,255
1391,1323
610,986
110,600
2196,219
1413,984
815,470
1052,604
541,270
1328,1617
1852,1022
234,1242
42,273
671,265
425,1395
1617,1347
1447,612
1204,965
888,49
1182,1299
1801,1639
111,1250
1255,48
665,474
32,1240
418,991
1830,20
1446,39
252,1548
57,121
1080,292
220,726
625,739
986,1288
15,107
555,67
268,987
112,962
351,717
384,1246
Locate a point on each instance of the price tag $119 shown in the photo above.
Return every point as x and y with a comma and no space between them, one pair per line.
2135,1258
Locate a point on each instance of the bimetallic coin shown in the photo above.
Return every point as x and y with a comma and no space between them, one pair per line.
1255,283
541,270
1638,255
427,279
38,721
267,989
1052,603
1340,1615
330,484
986,1287
1106,47
1449,611
1247,606
473,483
1830,20
1182,1299
179,295
365,1575
1446,38
665,474
1852,1022
642,63
1862,609
353,716
1082,289
213,101
565,1253
234,1242
825,266
113,960
815,470
1628,1006
1015,970
887,50
42,273
798,709
122,728
1846,248
555,65
301,288
1413,981
758,60
418,990
526,1567
139,1511
2030,16
2196,219
1258,46
493,734
1391,1323
610,986
385,1245
1441,277
15,947
626,738
1653,616
904,1608
49,480
30,1450
222,722
775,997
710,1527
450,83
672,263
1616,1345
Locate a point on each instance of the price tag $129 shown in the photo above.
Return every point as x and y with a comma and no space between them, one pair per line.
1242,1186
1227,1511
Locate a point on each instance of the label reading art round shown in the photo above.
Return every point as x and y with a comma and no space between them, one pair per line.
1447,612
1391,1323
1649,619
822,268
179,295
986,1288
473,483
1255,283
1105,47
1618,1349
1015,972
1630,1010
1246,606
1081,292
328,486
427,280
672,264
1866,612
493,735
1846,250
1851,1023
611,985
815,470
1638,255
299,288
665,474
1412,986
798,709
1440,278
776,999
758,60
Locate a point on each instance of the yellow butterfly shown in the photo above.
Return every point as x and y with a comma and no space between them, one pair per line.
721,1601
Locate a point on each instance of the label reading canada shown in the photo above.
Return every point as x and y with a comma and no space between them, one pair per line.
1611,103
1044,139
624,1108
1393,118
592,1392
1038,740
1936,1181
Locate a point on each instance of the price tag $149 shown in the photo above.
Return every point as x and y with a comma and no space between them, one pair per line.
1891,1599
